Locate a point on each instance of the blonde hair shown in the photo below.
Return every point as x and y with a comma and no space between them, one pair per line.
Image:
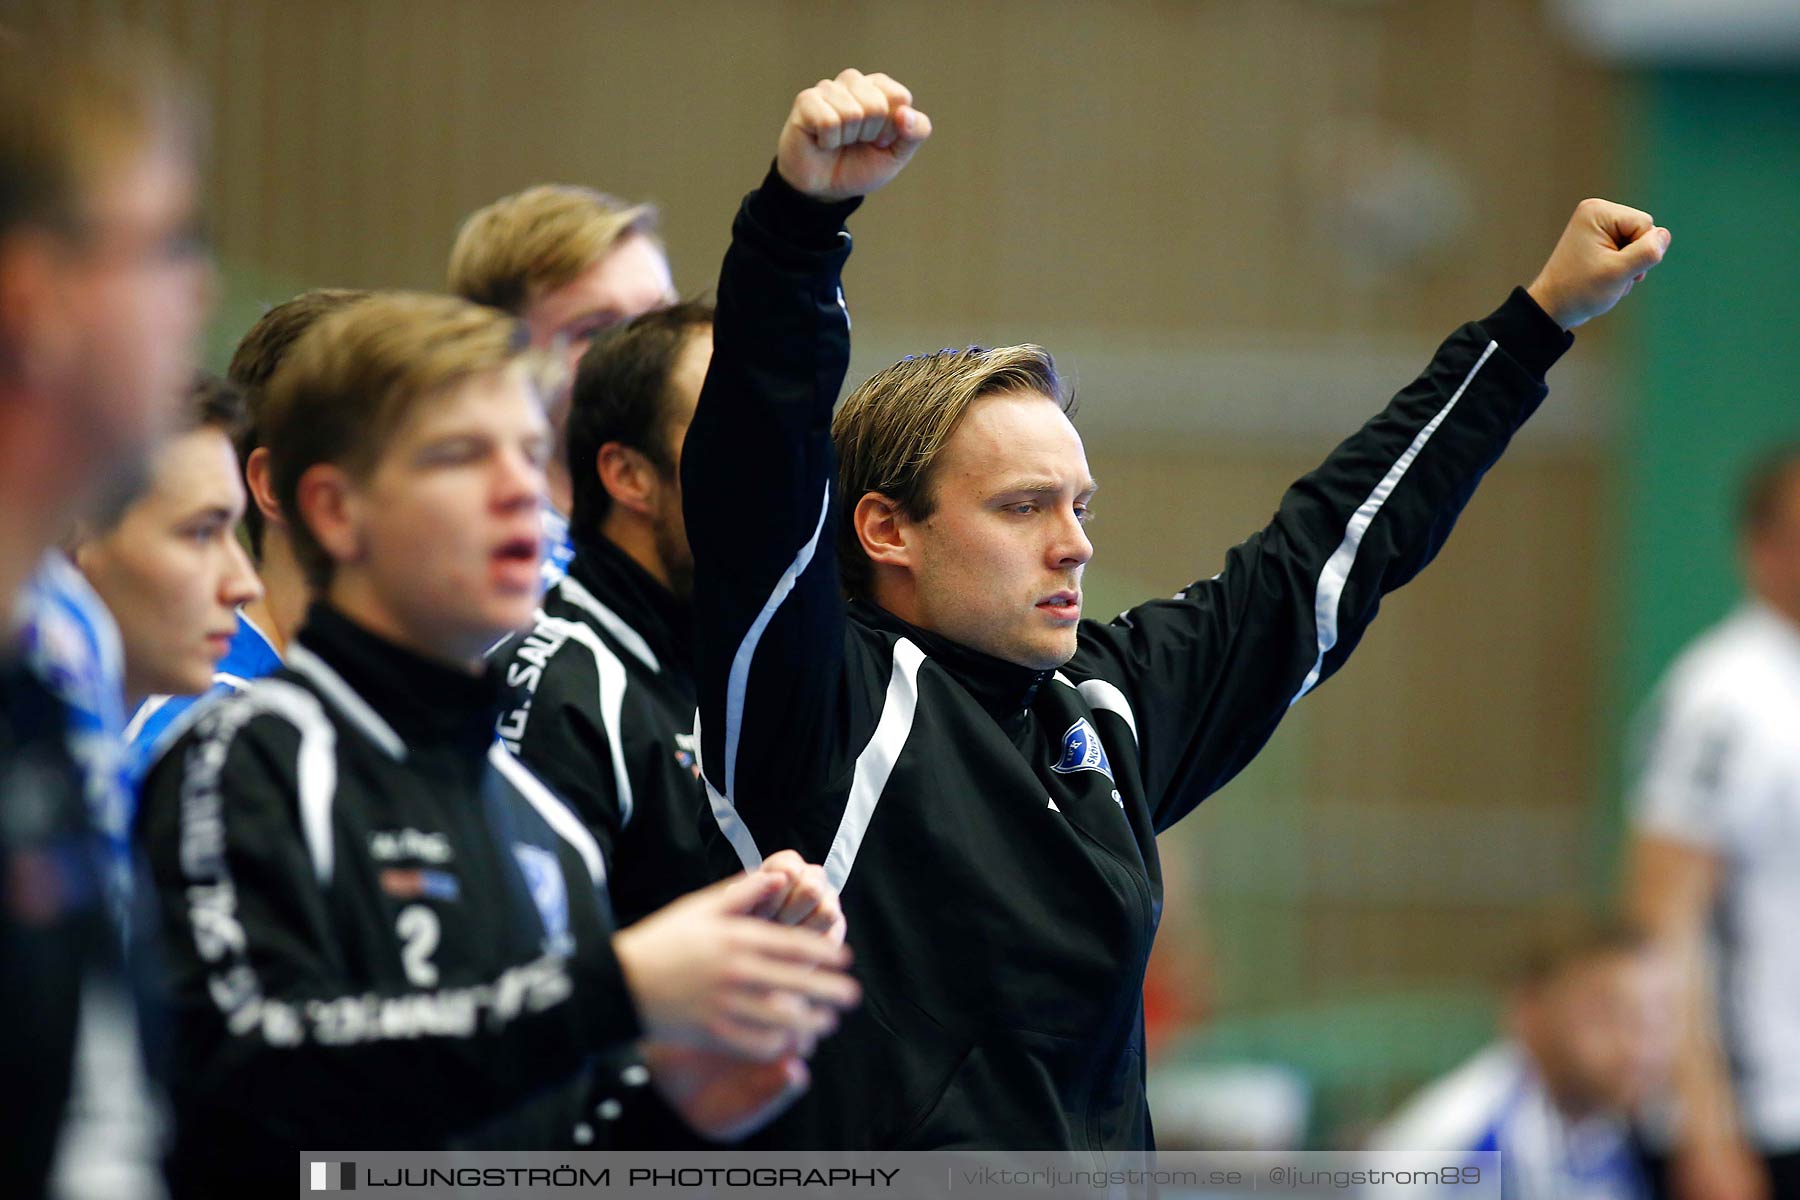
540,238
891,431
259,352
354,378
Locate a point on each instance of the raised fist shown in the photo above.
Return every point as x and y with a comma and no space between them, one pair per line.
849,136
1605,249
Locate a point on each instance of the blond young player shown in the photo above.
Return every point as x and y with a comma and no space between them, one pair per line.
381,929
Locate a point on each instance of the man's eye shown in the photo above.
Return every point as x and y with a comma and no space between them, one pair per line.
187,244
1025,509
584,332
1083,513
445,453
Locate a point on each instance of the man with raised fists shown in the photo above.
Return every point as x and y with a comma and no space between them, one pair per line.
982,771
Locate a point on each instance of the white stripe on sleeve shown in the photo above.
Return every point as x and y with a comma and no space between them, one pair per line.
876,762
730,824
1330,590
739,680
612,682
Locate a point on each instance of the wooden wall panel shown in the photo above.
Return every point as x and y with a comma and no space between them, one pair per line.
1143,163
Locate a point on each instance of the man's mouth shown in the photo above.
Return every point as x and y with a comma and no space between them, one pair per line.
519,549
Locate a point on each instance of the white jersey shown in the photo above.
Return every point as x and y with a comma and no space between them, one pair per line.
1720,769
1496,1101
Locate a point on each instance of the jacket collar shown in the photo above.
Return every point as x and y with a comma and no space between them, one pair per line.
662,619
1004,689
425,704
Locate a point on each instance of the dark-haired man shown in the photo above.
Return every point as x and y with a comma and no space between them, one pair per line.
983,772
265,624
168,563
603,699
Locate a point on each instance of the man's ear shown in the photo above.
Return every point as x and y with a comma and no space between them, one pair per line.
261,486
628,477
81,545
329,506
884,531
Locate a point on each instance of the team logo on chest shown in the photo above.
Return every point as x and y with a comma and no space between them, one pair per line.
544,879
1082,751
687,755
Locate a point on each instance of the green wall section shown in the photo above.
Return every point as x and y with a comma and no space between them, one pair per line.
1708,375
244,294
1711,380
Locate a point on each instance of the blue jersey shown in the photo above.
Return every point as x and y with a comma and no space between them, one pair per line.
251,656
558,549
1497,1101
71,644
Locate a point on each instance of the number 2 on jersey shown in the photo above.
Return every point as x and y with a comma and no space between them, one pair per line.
418,929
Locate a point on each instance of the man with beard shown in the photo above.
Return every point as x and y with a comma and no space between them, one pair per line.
603,686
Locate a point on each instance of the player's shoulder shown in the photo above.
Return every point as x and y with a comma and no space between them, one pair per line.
555,649
1458,1110
273,709
573,600
1112,651
263,731
1747,666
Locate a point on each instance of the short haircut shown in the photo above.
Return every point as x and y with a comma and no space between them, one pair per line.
520,245
1575,941
621,394
253,364
74,106
211,403
1766,485
214,402
356,376
891,431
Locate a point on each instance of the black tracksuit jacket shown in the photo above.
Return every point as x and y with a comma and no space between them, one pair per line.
993,828
53,926
600,705
380,929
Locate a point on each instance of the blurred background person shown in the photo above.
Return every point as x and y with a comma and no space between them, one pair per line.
1715,865
166,562
1587,1028
103,287
570,262
264,624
